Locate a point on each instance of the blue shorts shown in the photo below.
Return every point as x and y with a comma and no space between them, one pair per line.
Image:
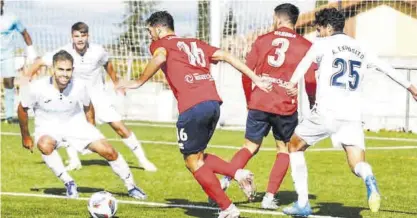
196,126
259,123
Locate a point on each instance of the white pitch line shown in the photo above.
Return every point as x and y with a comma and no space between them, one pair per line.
243,129
231,147
155,204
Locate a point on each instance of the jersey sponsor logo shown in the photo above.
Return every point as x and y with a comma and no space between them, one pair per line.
273,80
190,78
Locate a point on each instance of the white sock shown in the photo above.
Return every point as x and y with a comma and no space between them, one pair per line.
54,162
299,176
135,146
363,170
121,168
73,155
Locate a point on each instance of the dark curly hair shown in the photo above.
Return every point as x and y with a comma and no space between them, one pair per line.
161,18
331,16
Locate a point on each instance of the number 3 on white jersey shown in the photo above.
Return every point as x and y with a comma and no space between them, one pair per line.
195,54
278,59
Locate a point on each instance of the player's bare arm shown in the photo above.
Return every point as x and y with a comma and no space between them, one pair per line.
111,72
34,67
153,66
89,113
220,55
22,114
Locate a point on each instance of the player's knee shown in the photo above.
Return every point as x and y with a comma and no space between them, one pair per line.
281,146
193,162
251,146
295,144
111,153
46,145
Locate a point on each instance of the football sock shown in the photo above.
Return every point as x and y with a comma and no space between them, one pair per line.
120,167
240,159
211,186
278,172
72,155
135,146
363,170
9,102
219,166
54,162
299,176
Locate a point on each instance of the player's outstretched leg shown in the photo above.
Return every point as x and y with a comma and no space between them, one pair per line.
74,162
46,144
356,160
210,184
130,140
239,161
299,175
119,166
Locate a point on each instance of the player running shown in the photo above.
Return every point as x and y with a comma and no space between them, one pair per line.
9,24
342,64
275,56
89,59
58,117
186,64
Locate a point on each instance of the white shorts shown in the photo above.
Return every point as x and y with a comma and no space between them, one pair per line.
7,68
105,112
316,128
78,134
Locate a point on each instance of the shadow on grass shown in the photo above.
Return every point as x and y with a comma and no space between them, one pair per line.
339,210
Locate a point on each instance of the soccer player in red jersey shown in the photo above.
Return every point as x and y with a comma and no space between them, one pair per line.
275,56
186,64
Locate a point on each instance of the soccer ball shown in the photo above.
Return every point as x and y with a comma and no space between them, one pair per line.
102,205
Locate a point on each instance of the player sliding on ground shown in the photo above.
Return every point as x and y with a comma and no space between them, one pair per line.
89,60
186,64
275,56
58,117
342,64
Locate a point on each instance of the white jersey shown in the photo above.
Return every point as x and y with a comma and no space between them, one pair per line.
342,64
9,26
88,67
53,108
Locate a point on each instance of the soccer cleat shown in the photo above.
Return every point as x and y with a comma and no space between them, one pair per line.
230,212
73,166
147,165
374,198
137,193
71,189
269,203
296,210
224,183
246,181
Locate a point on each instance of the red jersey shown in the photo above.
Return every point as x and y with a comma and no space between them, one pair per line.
276,55
187,69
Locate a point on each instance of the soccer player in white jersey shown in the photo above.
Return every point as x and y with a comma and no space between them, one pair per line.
342,64
59,117
9,26
89,59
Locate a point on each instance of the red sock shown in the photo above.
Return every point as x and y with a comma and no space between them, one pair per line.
220,166
278,172
211,186
241,158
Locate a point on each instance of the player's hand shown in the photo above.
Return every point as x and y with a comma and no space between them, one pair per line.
27,143
263,83
413,91
291,89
